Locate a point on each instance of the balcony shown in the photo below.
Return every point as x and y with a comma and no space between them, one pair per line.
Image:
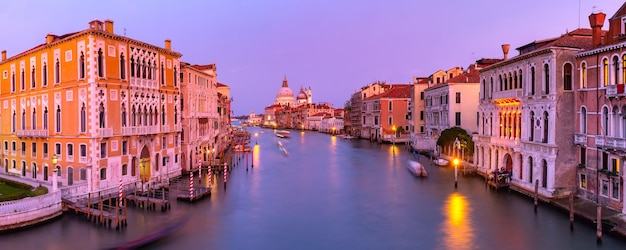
505,142
508,94
105,132
35,133
140,130
178,127
166,129
615,90
611,142
580,139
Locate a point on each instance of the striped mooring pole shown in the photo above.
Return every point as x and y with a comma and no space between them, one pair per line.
190,186
120,192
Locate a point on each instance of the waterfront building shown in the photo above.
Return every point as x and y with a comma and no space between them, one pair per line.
105,107
356,112
386,115
600,113
223,129
290,112
442,113
525,115
199,114
253,119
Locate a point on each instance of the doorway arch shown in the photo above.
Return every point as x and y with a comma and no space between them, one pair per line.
508,163
70,176
144,164
34,170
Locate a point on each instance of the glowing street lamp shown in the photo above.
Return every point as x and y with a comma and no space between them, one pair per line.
256,138
456,170
54,173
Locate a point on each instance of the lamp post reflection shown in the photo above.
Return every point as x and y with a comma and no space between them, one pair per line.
393,147
256,138
457,227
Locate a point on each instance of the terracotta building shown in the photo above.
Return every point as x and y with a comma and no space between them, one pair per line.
104,106
599,107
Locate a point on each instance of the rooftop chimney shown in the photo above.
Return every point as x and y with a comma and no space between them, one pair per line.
108,26
505,50
4,55
168,44
49,38
596,20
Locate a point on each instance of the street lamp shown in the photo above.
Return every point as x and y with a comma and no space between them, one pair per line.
54,173
456,170
256,138
393,148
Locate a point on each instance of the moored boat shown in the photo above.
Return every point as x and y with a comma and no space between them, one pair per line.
441,162
283,133
417,169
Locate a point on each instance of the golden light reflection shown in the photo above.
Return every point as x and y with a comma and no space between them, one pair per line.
256,156
457,228
333,140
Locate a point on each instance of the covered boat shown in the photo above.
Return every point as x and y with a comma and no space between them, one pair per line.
417,169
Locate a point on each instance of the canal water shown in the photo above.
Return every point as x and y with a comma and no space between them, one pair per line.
331,193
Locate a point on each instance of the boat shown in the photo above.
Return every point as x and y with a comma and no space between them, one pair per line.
170,228
283,133
282,148
417,169
441,162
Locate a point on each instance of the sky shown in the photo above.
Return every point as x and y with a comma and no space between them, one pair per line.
333,46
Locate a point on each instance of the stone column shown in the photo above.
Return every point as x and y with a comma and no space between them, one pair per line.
54,180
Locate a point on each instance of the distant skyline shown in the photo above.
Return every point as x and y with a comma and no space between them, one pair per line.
334,47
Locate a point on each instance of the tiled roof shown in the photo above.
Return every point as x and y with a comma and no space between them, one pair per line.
396,91
219,84
578,38
620,12
470,76
203,67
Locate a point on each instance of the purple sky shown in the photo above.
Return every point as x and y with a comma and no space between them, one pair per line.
335,47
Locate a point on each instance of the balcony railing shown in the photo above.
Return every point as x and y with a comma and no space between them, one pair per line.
615,90
178,127
580,139
140,130
611,142
505,142
166,129
36,133
513,93
105,132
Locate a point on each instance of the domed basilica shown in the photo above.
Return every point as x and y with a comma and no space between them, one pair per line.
285,96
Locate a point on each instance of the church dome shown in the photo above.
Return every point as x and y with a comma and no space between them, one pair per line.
285,94
301,96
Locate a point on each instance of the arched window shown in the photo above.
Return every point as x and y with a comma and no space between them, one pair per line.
23,119
482,90
58,119
544,174
139,115
615,70
545,127
101,118
22,80
521,80
162,74
132,67
511,81
123,115
583,120
546,70
530,169
605,121
605,71
532,81
44,77
154,67
33,119
623,68
506,83
532,126
81,62
163,115
145,115
150,117
14,122
122,66
567,77
103,174
124,169
32,78
615,124
133,116
45,118
144,66
175,115
83,119
57,71
501,119
100,63
138,68
515,80
583,74
149,70
491,88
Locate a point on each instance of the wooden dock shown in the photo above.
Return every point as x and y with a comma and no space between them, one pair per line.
150,199
198,194
101,210
498,180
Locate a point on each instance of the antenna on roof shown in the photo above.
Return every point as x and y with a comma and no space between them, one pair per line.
124,31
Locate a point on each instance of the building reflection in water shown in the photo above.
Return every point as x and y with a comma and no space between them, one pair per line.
458,231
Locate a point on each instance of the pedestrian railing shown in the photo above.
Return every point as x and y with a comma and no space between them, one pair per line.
30,203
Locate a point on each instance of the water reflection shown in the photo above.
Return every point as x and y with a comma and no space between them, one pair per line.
457,228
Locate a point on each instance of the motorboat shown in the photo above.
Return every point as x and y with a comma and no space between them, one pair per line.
283,133
417,169
282,148
441,162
